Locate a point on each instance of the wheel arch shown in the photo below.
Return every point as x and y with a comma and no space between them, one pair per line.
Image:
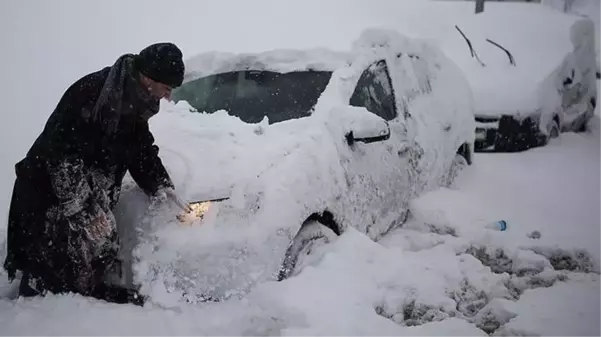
465,150
327,219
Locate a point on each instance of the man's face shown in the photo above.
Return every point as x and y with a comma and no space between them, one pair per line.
156,89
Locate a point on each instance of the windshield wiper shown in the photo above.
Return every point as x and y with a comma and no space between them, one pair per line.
469,44
511,59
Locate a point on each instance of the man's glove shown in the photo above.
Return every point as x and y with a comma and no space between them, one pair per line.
168,194
159,197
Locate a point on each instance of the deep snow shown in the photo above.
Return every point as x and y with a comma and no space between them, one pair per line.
443,273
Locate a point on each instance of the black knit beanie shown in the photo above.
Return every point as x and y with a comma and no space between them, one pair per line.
163,63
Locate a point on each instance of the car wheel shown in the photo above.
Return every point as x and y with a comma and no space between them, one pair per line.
309,238
457,165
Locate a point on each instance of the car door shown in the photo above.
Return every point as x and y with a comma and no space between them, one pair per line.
376,172
429,122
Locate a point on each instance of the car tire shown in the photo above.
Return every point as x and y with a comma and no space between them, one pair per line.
457,165
310,237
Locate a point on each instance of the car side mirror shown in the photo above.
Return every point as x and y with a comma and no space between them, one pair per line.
368,133
357,124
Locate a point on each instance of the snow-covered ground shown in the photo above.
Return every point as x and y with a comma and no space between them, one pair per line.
443,273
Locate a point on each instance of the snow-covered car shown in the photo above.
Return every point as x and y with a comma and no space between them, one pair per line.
532,70
303,144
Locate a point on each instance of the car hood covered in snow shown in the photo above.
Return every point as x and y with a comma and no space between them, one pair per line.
274,175
208,154
215,155
498,86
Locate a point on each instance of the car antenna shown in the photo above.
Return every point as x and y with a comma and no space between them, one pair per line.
511,59
469,44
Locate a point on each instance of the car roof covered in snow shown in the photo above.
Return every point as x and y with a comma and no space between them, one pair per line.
316,35
289,60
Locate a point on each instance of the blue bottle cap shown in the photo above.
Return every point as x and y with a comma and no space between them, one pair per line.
502,225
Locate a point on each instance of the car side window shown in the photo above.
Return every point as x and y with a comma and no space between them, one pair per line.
374,91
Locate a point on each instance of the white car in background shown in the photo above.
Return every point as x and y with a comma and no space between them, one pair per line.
303,144
532,70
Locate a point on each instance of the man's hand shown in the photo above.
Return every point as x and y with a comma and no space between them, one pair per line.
171,195
168,194
159,197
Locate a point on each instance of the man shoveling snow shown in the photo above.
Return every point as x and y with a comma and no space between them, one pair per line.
61,231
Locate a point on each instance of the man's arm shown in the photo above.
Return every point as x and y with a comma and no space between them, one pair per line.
145,166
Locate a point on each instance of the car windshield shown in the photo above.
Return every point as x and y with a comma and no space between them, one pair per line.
252,95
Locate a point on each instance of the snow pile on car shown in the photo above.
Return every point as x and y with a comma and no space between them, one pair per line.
266,170
278,174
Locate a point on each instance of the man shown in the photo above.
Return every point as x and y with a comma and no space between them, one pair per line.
61,231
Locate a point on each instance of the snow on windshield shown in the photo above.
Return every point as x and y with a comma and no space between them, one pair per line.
279,60
253,95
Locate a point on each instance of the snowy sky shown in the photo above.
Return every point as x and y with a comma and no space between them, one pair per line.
77,37
49,44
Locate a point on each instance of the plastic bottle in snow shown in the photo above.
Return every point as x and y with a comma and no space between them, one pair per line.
500,225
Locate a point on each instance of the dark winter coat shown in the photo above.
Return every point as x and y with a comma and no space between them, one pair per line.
61,229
